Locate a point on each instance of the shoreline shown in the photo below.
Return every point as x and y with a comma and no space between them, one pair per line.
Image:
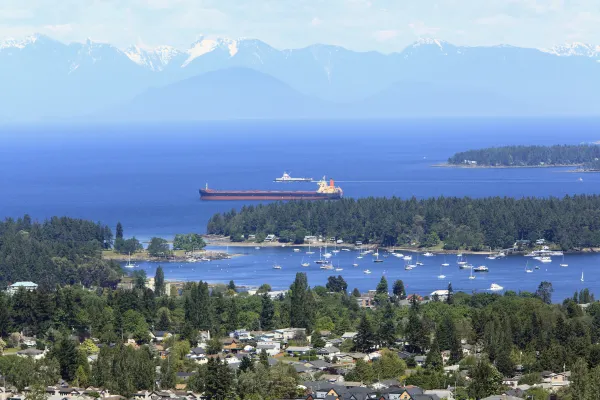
447,165
179,256
220,241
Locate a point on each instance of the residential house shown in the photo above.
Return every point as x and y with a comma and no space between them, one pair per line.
272,348
386,384
15,287
32,353
197,354
318,364
297,350
291,333
349,335
420,360
159,336
359,356
231,345
330,352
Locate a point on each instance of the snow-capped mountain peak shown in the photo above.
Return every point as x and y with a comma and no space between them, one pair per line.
11,42
425,41
155,59
205,46
574,49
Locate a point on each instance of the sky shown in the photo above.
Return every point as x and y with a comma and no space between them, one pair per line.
381,25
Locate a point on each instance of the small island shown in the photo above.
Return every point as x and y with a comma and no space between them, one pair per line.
584,156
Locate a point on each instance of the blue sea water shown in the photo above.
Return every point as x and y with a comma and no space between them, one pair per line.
148,176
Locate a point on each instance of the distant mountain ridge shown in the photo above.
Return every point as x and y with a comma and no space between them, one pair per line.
43,78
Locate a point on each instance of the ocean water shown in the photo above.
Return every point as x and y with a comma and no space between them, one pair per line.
148,176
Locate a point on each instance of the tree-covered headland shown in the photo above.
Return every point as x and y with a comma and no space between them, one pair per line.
528,156
572,222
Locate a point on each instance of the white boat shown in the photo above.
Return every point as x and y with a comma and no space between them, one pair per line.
257,248
339,269
276,266
345,249
459,255
471,276
481,268
407,258
129,264
205,259
546,259
491,257
304,264
287,178
366,271
428,254
398,255
327,266
445,264
441,275
563,264
327,255
409,267
527,269
419,263
461,261
495,287
309,250
377,260
296,250
581,276
355,265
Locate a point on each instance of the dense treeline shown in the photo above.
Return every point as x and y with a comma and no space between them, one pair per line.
56,251
465,223
508,330
529,155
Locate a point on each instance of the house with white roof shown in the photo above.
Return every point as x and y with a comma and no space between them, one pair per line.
15,287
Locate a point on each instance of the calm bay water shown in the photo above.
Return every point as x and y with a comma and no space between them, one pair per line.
255,267
147,177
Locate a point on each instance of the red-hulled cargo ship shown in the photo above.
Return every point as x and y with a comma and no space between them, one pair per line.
324,192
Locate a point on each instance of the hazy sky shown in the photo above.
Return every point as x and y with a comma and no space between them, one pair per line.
384,25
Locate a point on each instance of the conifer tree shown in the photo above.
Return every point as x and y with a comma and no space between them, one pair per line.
159,282
365,335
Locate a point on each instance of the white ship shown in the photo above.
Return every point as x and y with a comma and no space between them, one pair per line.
287,178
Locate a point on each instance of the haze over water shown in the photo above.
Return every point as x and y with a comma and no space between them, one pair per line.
148,176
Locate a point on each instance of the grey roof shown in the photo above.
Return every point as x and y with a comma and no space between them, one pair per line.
319,364
30,352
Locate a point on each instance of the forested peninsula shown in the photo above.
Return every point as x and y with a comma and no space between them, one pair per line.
56,251
451,223
584,155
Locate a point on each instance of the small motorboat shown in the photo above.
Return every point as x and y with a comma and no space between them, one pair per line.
366,271
495,287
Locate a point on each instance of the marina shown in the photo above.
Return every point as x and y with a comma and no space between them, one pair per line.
255,267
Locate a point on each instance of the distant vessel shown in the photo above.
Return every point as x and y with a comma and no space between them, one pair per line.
481,268
428,254
129,264
276,266
287,178
581,276
495,288
563,264
471,276
324,192
366,271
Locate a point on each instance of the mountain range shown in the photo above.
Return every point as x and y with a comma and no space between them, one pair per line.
44,79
